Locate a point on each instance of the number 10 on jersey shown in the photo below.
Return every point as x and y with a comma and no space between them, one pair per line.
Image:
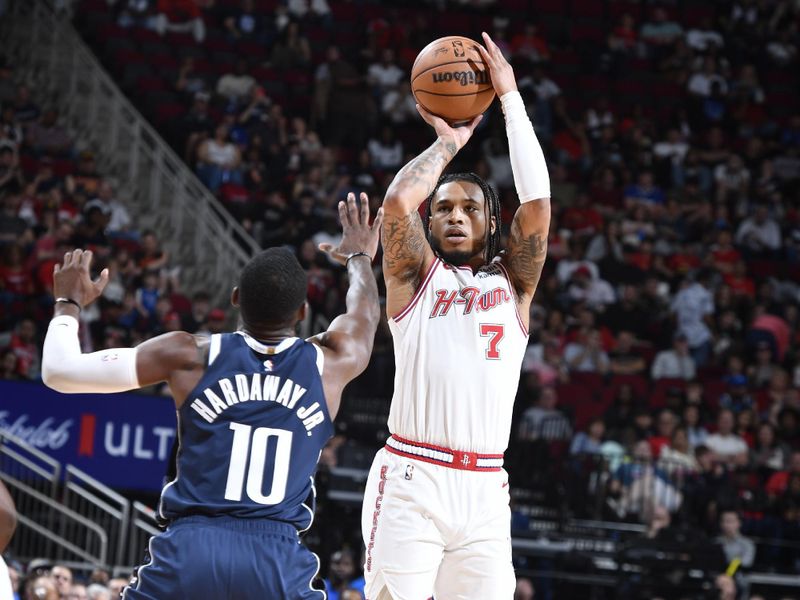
247,442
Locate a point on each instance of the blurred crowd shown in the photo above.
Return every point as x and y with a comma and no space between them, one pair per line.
665,330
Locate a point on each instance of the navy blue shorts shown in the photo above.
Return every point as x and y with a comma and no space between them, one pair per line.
223,558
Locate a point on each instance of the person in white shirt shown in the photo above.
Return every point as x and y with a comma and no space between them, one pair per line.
704,37
700,83
386,153
728,446
586,354
675,363
693,307
759,233
385,75
596,292
236,86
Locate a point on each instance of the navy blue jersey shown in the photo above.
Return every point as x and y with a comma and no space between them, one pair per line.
251,433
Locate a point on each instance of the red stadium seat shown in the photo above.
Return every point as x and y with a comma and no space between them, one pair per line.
588,9
658,395
166,112
639,384
63,167
592,381
551,7
147,84
696,13
588,33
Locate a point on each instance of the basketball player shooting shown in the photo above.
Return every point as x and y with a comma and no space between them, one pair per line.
255,408
436,516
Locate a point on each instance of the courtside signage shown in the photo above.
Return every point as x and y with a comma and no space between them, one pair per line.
122,440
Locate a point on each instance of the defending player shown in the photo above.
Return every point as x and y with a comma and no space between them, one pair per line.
254,411
436,517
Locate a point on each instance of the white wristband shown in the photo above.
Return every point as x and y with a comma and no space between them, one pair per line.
66,369
527,159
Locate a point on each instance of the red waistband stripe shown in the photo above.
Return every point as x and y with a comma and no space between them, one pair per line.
438,455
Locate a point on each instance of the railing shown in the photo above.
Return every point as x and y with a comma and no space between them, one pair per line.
200,235
32,478
143,526
101,505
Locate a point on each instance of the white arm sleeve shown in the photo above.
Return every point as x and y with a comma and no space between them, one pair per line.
527,159
66,369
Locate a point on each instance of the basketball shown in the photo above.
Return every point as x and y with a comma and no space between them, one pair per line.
450,79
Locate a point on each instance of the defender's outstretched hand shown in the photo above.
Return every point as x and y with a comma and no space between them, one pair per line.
358,236
71,279
459,135
501,72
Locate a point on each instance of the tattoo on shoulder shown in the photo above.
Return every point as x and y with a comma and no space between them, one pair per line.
403,243
526,255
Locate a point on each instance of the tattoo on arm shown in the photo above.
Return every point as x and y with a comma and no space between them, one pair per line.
404,245
424,171
526,255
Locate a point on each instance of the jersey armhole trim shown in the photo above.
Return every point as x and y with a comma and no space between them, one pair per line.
214,347
415,298
320,358
514,297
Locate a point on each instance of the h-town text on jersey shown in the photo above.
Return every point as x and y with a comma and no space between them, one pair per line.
470,298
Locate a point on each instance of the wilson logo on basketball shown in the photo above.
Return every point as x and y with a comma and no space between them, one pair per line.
464,78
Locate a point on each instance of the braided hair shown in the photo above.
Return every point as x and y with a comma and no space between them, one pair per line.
491,206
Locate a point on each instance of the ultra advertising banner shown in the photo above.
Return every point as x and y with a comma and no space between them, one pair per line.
123,440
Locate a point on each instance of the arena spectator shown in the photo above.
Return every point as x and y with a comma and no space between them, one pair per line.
586,353
693,306
291,50
524,589
182,16
725,444
778,482
77,592
543,420
245,22
530,44
219,160
236,86
666,423
734,544
342,575
62,576
660,31
675,363
591,440
759,235
625,360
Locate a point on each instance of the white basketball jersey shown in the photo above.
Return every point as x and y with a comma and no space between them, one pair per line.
458,350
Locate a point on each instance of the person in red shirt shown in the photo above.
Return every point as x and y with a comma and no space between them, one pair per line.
665,426
15,279
723,255
778,482
739,282
683,261
23,345
582,218
529,44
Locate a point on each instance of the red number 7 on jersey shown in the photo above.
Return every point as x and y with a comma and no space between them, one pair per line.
495,333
